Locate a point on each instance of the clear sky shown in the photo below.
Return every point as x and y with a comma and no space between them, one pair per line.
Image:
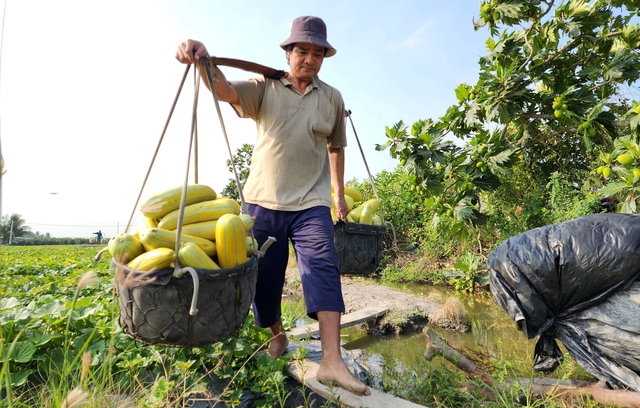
86,88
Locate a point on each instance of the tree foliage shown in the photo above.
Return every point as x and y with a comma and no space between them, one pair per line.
13,226
554,92
242,162
622,169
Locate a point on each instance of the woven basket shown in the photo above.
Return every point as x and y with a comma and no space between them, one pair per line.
154,307
359,247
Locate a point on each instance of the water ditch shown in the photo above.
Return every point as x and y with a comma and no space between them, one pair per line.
493,337
493,334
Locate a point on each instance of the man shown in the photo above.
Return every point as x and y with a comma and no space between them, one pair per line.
299,152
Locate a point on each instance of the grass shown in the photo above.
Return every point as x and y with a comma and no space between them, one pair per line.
439,384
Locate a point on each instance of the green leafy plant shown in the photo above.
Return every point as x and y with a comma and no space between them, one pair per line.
470,272
242,164
59,337
623,177
550,98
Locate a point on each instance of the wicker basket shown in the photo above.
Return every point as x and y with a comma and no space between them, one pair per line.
154,307
359,247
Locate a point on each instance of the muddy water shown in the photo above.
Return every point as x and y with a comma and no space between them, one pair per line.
493,337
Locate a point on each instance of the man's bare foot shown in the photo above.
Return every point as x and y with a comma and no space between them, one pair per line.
339,375
278,345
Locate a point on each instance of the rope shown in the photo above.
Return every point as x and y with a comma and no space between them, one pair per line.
195,151
179,271
373,186
183,197
211,78
155,154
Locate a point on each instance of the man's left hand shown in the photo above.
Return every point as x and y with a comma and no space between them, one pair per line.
341,207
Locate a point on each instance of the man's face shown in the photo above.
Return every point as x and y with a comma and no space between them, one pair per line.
305,60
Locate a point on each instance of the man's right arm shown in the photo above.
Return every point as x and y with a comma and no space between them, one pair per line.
189,52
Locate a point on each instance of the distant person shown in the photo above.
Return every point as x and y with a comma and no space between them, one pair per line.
98,237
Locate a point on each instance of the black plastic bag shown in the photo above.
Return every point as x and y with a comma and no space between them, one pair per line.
605,339
544,278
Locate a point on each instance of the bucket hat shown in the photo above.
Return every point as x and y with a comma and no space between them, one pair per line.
309,29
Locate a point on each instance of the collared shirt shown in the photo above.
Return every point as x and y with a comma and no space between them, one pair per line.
290,165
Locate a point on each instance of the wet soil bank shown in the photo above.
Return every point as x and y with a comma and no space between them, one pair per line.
407,312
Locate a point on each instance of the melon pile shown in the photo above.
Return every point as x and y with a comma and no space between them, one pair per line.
213,232
362,212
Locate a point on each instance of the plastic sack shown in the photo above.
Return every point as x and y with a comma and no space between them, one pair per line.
605,339
549,279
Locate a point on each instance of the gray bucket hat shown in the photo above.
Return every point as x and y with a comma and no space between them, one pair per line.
309,29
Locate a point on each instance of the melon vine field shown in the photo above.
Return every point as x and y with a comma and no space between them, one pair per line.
60,340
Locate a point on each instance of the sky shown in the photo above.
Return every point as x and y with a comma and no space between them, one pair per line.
86,88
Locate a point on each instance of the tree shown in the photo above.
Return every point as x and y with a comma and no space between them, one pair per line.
552,95
13,226
621,167
242,161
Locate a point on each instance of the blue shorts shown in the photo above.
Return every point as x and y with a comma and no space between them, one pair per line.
311,233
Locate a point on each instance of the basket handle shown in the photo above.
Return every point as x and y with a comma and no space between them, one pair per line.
179,273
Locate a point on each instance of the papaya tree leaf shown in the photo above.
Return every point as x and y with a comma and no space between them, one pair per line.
613,189
629,205
501,157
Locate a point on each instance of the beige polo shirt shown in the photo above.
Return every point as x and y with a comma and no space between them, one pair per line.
290,164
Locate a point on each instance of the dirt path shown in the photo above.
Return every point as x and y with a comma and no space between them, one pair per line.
407,312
